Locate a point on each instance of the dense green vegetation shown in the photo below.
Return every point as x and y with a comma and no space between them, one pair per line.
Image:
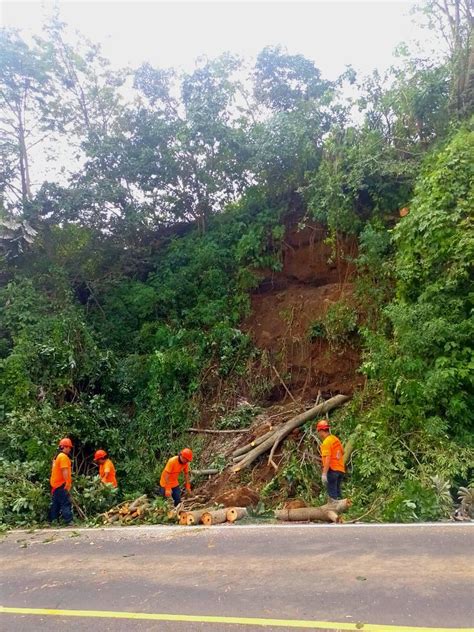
125,275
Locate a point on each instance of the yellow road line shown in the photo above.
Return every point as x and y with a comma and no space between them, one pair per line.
188,618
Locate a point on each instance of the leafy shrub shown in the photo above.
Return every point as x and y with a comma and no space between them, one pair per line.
316,330
92,496
337,326
340,323
413,502
241,417
24,499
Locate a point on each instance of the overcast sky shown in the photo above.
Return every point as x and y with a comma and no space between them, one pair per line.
333,34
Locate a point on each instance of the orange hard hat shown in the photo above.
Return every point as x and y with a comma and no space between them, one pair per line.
323,424
65,443
100,454
187,454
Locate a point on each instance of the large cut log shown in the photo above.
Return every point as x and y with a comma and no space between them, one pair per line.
288,427
326,513
252,444
194,517
209,472
214,517
236,513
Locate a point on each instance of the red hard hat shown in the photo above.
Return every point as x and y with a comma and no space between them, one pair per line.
187,454
65,443
323,424
100,454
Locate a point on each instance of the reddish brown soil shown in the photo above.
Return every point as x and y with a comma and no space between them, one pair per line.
238,497
287,303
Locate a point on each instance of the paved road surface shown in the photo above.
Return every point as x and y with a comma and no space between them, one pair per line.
338,577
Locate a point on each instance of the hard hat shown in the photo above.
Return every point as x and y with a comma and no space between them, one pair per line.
323,424
100,454
187,454
65,443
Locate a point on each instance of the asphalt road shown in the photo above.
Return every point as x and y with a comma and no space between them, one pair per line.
337,577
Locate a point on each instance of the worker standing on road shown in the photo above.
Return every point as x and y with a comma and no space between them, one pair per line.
61,482
169,484
106,468
332,454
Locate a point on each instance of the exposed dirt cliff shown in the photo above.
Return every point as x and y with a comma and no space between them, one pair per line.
315,274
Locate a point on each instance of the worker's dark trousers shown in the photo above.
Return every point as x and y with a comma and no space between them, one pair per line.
175,493
60,505
334,484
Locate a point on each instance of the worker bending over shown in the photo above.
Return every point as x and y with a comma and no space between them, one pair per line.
106,468
61,483
332,454
169,484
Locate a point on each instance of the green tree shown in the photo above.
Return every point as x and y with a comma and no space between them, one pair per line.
282,81
453,21
26,102
427,363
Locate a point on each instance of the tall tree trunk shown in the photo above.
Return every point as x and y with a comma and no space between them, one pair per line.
23,158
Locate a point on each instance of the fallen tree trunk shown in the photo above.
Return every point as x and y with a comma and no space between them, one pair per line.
214,517
212,431
236,513
326,513
252,444
288,427
209,472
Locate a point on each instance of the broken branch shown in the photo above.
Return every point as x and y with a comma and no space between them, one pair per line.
288,427
252,444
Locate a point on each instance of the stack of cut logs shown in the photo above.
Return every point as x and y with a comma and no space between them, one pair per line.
209,517
128,511
139,509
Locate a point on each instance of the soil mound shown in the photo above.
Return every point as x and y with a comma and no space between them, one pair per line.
238,497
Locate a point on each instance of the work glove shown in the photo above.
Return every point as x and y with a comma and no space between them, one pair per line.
168,493
324,479
188,487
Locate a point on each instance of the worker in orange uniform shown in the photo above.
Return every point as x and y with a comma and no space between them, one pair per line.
61,482
332,454
106,468
169,484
